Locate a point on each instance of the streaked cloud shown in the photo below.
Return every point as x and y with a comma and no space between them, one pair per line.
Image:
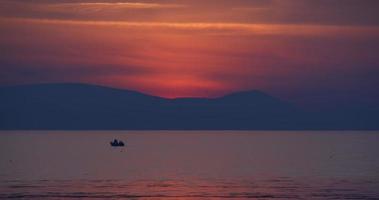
96,5
263,29
100,5
320,12
77,10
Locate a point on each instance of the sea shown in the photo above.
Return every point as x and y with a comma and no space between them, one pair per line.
189,165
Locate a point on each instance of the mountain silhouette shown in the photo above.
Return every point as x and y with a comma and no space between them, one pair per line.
71,106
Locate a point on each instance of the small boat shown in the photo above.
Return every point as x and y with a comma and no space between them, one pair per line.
116,143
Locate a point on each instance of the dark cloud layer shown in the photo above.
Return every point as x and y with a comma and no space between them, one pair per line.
336,12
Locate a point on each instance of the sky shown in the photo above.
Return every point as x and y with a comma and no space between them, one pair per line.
311,52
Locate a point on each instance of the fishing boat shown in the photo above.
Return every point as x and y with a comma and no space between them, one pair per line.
117,143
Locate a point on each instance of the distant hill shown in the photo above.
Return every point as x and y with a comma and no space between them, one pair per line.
70,106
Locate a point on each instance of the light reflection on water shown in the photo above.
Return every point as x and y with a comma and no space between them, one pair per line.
280,188
189,165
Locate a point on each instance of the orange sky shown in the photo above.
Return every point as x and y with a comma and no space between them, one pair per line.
177,48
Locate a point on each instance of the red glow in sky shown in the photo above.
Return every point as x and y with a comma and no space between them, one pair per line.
296,49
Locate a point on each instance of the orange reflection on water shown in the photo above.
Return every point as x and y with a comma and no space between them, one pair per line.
191,189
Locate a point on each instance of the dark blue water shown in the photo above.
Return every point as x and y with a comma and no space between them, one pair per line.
190,165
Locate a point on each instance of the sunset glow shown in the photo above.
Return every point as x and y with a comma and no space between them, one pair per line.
297,50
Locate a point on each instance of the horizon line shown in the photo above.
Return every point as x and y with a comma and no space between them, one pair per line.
136,91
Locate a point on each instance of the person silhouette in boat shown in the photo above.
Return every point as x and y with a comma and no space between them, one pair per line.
114,143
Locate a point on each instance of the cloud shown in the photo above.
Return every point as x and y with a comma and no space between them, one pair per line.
220,28
77,10
113,5
309,12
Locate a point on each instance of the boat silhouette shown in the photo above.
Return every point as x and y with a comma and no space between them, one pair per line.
116,143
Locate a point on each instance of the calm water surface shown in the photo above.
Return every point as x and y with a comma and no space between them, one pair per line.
189,165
